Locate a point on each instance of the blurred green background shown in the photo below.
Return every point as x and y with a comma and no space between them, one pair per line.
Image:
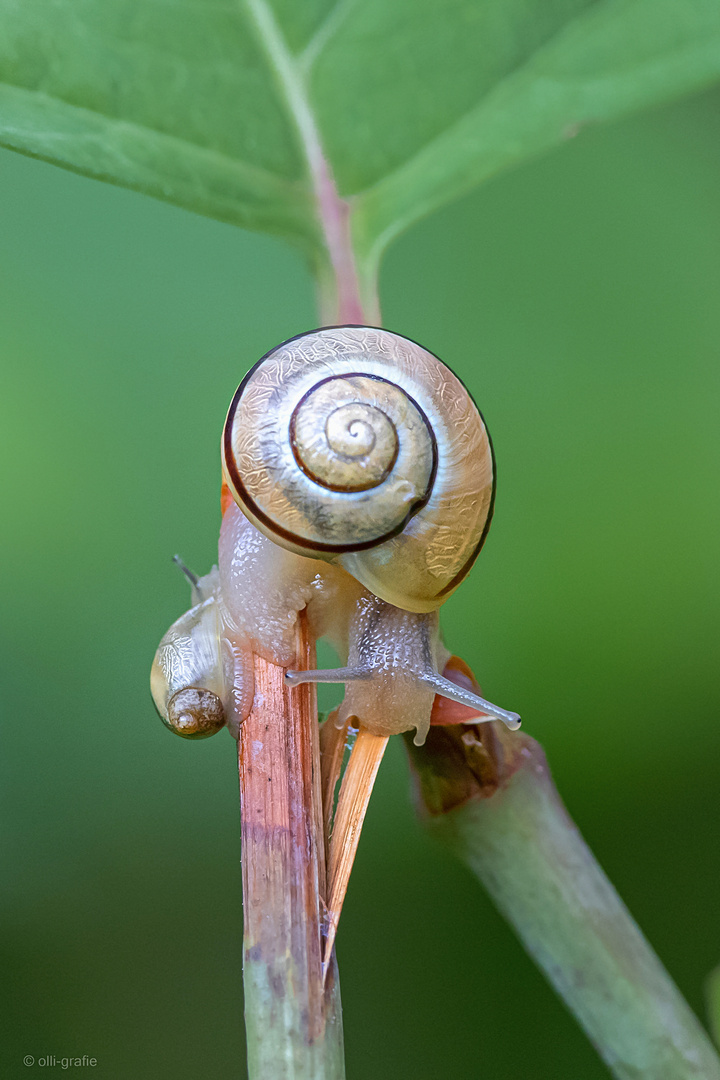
578,298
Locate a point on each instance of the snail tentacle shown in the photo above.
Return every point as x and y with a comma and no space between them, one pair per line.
394,654
327,675
450,690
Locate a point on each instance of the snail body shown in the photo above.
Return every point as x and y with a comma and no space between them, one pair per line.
362,479
263,587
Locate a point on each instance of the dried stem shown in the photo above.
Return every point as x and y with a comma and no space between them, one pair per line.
355,792
333,744
293,1019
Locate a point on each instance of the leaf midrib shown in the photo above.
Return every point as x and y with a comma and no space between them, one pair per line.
297,103
290,73
289,81
334,19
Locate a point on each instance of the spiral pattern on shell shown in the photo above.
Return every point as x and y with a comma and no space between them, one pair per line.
341,439
195,713
356,445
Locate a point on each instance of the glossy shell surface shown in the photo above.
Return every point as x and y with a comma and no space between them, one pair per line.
358,446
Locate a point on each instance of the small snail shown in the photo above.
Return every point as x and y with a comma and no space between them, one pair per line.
197,676
362,476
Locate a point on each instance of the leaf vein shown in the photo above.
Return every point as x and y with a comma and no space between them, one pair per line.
256,173
325,32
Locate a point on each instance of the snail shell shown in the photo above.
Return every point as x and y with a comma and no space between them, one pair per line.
358,446
200,682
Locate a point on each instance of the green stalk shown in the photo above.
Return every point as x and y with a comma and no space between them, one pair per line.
490,796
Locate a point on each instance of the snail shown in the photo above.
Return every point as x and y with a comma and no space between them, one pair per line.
362,480
197,674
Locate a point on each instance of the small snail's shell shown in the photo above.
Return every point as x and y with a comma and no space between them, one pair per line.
195,713
357,446
200,681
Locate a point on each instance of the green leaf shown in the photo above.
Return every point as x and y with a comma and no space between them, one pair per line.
233,107
170,98
598,62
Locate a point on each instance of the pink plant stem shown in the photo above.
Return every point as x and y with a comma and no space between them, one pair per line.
334,213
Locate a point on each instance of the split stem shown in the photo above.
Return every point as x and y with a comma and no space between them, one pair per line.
353,800
292,1015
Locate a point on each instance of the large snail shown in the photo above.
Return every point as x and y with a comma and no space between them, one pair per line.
362,479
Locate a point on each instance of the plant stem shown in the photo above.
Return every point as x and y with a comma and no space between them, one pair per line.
490,796
292,1000
343,297
293,1022
345,294
353,801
